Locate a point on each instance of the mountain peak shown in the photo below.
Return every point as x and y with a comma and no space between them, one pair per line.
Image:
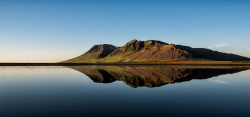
147,42
94,53
101,47
131,42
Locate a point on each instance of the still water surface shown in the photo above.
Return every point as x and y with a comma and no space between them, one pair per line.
123,91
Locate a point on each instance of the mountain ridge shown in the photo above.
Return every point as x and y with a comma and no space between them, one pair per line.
150,50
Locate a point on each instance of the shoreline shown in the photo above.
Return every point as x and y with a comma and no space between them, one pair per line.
188,63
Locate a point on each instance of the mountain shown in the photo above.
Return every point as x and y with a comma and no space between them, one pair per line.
94,53
151,50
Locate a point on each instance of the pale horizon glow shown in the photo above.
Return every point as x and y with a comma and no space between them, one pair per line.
53,31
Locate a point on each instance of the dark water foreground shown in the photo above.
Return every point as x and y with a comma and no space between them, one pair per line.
123,91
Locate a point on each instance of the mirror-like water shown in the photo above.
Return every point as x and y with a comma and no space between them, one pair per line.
123,91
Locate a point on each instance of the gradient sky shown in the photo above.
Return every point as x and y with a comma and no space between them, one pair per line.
56,30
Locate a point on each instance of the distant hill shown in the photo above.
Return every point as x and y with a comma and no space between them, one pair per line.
151,50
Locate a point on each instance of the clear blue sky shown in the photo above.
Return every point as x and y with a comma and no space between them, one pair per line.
56,30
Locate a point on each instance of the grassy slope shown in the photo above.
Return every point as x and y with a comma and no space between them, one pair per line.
85,59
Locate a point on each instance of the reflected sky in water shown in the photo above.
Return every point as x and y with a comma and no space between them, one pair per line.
70,91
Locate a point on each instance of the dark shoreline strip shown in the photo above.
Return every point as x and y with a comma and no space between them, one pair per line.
114,64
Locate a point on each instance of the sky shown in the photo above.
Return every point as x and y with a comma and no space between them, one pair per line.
56,30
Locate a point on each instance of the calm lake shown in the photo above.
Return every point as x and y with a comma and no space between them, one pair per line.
124,91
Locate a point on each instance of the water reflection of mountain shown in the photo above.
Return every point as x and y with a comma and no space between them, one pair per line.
154,76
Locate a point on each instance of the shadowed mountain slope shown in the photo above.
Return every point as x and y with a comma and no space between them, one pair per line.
150,51
212,55
148,76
